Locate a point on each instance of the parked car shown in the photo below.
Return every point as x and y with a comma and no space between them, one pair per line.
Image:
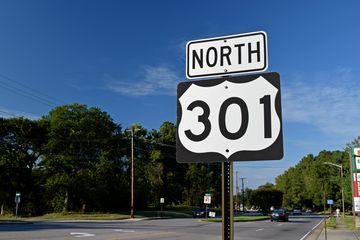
279,215
296,211
199,213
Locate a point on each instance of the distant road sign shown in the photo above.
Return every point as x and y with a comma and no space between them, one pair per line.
17,197
207,199
227,55
234,119
212,214
330,201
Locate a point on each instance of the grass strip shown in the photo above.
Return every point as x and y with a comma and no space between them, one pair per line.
81,216
239,219
349,222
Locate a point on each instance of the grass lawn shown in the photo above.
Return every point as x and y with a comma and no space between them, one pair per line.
177,212
239,219
81,216
349,222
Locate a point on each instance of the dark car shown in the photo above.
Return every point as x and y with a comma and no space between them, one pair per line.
199,213
297,211
279,215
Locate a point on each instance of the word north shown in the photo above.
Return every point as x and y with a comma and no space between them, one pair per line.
227,55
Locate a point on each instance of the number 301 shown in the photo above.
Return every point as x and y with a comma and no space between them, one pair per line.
204,119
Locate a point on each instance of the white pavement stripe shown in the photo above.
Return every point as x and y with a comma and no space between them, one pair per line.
82,234
309,232
124,231
260,229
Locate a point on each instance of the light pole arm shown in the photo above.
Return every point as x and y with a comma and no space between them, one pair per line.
333,164
342,183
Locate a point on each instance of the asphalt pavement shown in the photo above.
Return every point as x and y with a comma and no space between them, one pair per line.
157,229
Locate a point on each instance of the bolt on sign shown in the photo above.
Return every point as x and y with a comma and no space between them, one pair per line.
230,119
226,55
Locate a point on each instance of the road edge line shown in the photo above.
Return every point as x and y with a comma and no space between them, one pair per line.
312,230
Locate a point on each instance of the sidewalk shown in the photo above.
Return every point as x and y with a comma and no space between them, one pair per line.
341,232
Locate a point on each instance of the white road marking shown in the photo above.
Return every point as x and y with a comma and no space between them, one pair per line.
124,231
260,229
82,234
309,232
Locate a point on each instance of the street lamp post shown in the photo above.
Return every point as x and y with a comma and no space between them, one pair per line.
342,184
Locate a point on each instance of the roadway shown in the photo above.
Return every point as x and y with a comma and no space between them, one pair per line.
157,229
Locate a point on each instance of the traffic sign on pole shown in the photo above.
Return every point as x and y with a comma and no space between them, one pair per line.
207,199
226,55
17,201
230,119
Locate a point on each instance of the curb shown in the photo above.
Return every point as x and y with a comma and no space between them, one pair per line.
15,222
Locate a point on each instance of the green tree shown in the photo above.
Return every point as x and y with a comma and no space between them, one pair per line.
166,171
21,145
313,180
265,197
79,140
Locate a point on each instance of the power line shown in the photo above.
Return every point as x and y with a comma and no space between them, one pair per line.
265,167
26,91
7,113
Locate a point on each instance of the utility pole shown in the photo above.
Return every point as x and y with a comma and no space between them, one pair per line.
132,130
243,193
237,206
132,174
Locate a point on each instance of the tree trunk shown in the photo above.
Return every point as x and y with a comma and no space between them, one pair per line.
83,208
2,209
66,200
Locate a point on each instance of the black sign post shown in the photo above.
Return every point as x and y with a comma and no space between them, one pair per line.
227,201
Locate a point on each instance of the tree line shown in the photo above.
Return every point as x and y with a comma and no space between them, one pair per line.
309,184
76,158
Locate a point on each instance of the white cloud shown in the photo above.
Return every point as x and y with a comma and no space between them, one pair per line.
154,81
328,101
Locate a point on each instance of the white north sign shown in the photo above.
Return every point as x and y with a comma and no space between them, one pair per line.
227,55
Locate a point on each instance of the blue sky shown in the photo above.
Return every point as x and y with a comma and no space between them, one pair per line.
127,57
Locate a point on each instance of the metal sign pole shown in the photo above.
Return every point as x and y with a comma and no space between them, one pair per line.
16,209
227,201
17,201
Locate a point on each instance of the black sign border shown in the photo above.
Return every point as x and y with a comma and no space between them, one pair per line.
273,152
